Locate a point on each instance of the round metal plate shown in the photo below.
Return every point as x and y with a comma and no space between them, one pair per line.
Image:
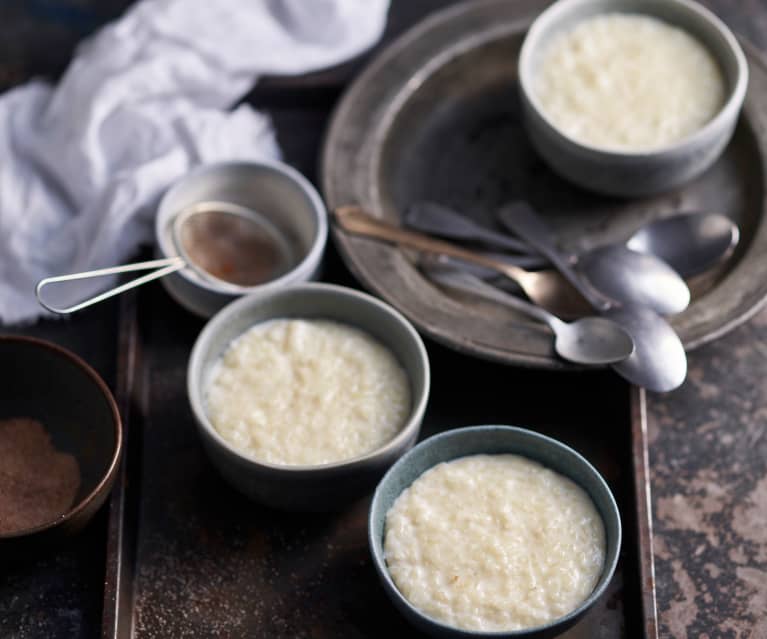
436,117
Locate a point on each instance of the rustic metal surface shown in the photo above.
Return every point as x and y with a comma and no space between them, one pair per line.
708,459
436,117
707,440
198,559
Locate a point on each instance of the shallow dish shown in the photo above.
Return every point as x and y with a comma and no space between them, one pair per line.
627,173
492,440
326,486
436,117
48,383
276,191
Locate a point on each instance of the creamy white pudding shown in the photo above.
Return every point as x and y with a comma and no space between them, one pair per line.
494,543
627,82
307,392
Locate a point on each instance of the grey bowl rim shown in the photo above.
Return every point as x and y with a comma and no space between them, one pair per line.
309,261
379,562
418,408
101,385
727,113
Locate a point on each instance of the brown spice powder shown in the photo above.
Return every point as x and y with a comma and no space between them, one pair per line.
37,482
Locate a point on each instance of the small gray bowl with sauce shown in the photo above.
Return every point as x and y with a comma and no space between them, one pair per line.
629,173
273,190
308,487
492,439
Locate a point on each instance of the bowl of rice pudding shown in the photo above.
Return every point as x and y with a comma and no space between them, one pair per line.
304,396
630,97
493,531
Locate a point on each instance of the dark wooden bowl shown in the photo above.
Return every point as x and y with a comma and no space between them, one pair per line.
43,381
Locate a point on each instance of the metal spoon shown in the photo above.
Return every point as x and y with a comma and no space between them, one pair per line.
589,340
658,362
689,242
546,289
616,272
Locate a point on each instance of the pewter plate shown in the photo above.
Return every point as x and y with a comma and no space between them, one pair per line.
437,117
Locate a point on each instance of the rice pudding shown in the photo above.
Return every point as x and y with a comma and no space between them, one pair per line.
307,392
628,82
494,543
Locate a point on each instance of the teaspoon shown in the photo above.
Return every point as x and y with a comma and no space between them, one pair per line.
589,340
546,289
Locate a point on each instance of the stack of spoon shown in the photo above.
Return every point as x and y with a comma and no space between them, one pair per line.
631,285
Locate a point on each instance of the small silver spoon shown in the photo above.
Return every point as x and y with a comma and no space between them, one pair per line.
615,271
589,340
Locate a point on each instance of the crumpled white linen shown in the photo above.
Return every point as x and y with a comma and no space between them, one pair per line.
83,164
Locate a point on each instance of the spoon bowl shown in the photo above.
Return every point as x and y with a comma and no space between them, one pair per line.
592,341
690,243
640,279
658,362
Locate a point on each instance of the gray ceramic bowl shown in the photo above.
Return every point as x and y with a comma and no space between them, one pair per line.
47,383
275,190
327,486
640,173
491,440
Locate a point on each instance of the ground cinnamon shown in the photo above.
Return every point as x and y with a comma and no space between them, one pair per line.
37,482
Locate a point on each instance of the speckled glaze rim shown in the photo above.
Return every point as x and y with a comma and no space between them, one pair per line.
728,112
376,545
218,321
300,271
109,474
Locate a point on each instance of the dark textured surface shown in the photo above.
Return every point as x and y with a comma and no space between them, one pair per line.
58,594
708,458
211,563
708,447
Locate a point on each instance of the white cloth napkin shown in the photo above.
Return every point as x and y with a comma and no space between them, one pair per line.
144,100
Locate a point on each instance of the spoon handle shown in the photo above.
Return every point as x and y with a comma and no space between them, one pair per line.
520,218
468,283
430,217
162,267
354,220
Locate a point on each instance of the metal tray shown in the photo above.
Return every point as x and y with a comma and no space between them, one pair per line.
436,117
188,556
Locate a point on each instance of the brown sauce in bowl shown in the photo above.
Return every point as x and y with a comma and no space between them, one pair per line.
37,482
240,250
